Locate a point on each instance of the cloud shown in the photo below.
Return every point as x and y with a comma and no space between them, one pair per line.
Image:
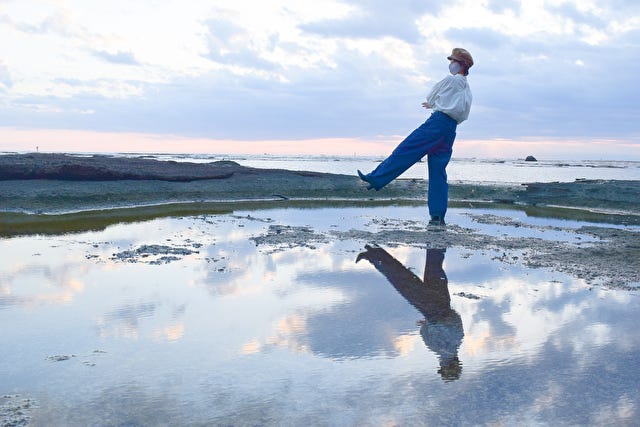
376,19
548,85
5,77
58,23
358,70
125,321
120,57
575,14
502,6
231,44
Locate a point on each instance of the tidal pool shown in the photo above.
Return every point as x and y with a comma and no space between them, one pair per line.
281,317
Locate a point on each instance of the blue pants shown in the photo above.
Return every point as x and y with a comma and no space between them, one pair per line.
434,138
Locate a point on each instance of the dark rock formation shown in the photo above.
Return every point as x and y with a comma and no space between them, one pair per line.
106,168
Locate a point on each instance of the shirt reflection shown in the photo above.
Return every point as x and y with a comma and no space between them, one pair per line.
441,330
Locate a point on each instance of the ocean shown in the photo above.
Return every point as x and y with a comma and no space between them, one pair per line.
460,170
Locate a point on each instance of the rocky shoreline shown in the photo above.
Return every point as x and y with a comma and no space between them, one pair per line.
107,168
61,184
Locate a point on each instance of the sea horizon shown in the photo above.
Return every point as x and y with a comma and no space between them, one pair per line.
488,170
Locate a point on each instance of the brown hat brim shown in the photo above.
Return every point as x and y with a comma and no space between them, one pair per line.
457,58
461,55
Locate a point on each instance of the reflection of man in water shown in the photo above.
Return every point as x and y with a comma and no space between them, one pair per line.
442,329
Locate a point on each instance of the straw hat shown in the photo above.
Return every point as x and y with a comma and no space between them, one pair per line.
461,55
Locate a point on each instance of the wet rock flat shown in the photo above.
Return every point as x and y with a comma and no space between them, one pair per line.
107,168
49,183
60,184
67,167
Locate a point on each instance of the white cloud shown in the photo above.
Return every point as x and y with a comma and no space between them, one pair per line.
120,57
292,69
5,77
373,19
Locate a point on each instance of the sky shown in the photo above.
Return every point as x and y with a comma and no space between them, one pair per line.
552,78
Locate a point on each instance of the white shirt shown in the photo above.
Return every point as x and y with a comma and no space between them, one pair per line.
452,96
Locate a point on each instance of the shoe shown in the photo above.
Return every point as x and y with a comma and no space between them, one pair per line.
364,178
366,254
437,221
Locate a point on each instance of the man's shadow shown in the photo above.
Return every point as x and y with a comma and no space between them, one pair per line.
441,330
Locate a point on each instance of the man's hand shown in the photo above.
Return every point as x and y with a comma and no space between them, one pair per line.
426,105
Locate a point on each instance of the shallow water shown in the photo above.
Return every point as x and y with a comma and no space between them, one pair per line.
467,170
205,320
464,170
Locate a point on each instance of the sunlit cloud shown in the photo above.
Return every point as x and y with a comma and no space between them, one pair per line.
171,333
405,344
251,347
477,339
290,332
125,320
61,285
524,327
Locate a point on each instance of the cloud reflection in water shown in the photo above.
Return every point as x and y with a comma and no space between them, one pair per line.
441,329
241,338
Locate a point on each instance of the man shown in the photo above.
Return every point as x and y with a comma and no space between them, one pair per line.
450,99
